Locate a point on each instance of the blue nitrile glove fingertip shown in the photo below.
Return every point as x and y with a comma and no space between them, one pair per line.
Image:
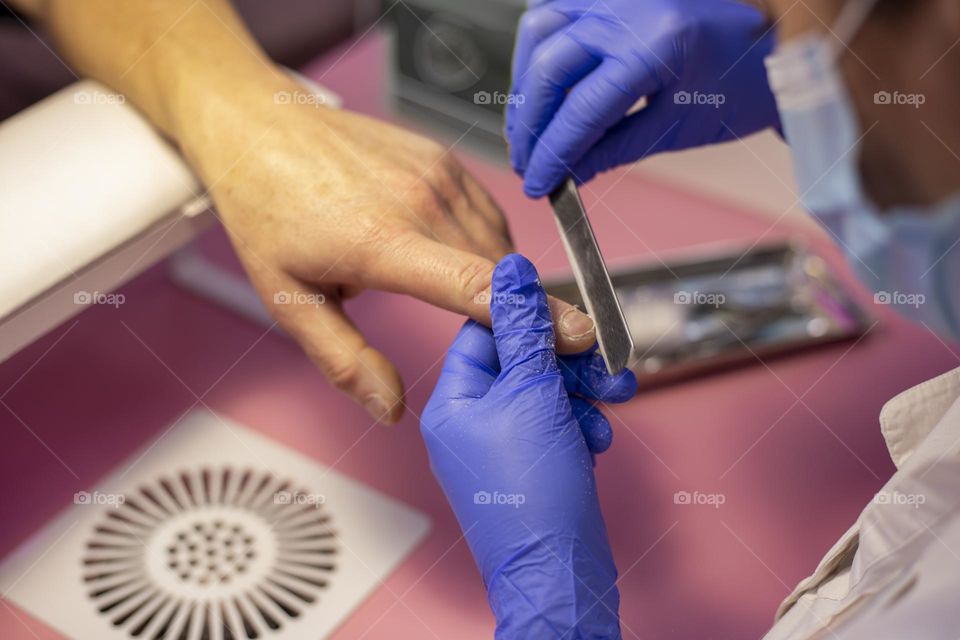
542,177
522,325
516,143
513,274
534,188
595,427
620,387
586,375
517,300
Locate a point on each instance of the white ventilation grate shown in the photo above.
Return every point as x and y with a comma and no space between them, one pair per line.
208,547
208,542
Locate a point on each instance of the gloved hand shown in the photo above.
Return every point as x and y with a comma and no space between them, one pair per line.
505,444
698,62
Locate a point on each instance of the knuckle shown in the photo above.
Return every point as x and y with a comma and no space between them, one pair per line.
429,154
438,192
446,185
542,68
342,370
432,150
622,77
534,24
445,173
473,278
577,120
366,250
375,234
674,24
423,197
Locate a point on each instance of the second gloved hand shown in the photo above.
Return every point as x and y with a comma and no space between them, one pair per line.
505,430
579,66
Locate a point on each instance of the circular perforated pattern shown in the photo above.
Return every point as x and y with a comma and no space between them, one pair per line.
210,553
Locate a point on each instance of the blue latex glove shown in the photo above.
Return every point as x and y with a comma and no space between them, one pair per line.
505,444
611,53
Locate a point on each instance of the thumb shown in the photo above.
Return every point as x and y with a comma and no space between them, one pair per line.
330,339
471,364
522,326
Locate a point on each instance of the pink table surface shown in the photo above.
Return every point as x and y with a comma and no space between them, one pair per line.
795,473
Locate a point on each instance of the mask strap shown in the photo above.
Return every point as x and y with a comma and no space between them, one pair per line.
852,17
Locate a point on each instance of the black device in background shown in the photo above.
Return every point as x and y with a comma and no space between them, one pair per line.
450,65
732,307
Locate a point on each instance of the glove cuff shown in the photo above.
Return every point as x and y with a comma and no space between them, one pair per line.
538,594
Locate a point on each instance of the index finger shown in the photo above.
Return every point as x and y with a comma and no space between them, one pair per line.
535,27
558,64
586,375
459,281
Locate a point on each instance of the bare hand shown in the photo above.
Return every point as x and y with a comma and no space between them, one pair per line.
321,204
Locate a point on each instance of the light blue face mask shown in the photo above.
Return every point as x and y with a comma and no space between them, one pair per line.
909,256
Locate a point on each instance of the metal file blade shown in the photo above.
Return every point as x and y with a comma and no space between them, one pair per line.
593,280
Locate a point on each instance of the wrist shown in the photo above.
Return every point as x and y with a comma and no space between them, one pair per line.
250,127
186,66
211,112
155,52
544,597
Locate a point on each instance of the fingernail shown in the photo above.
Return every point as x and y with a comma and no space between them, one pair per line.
575,324
376,406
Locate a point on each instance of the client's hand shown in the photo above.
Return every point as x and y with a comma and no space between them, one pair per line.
511,447
322,204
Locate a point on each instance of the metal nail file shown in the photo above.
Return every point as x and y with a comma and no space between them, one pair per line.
593,280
